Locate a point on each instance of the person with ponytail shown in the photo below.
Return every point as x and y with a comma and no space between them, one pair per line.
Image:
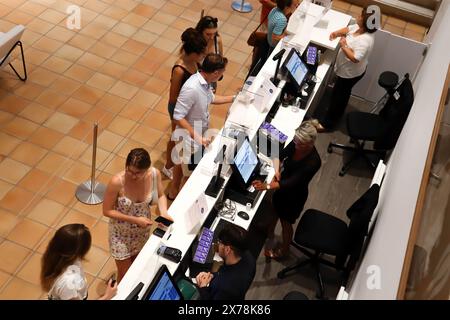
192,53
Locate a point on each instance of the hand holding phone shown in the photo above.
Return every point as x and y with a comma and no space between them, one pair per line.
166,222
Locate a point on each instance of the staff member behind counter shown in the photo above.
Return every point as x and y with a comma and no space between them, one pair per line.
300,161
356,43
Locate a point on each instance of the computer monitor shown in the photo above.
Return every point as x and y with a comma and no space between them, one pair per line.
163,287
245,162
295,67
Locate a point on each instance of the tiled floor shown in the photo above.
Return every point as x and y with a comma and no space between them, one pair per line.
114,71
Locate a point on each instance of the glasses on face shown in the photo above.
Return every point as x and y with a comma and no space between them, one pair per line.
136,173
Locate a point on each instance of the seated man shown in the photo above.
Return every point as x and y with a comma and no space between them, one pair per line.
235,276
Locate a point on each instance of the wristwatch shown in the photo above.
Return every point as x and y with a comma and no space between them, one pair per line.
268,186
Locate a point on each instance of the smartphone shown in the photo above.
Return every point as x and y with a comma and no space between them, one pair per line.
164,221
159,232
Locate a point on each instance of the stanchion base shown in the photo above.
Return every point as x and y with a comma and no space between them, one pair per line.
85,195
242,6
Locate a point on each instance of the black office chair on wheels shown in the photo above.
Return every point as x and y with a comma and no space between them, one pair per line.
383,129
319,233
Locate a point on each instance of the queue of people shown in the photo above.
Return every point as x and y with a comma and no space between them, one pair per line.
131,192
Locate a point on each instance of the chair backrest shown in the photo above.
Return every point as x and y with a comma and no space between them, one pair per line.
395,113
360,214
9,39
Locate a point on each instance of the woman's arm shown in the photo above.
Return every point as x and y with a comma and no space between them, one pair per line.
175,84
162,200
222,99
109,201
349,53
339,33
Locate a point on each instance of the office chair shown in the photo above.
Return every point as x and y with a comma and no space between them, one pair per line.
383,129
319,233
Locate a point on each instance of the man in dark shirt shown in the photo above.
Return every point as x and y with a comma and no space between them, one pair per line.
294,169
235,276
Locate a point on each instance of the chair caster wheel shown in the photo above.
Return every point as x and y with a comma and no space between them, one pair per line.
341,173
281,275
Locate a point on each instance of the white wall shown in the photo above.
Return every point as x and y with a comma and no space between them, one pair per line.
404,173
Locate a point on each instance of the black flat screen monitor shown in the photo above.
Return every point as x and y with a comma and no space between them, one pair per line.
246,162
163,287
295,67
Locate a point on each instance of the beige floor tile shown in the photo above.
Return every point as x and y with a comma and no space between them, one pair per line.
97,114
394,29
62,191
108,270
47,212
147,136
167,45
134,77
27,233
43,77
117,164
82,42
96,6
91,61
95,211
61,122
124,58
115,12
416,28
128,146
78,173
134,111
101,81
47,44
108,140
46,137
88,94
29,271
75,108
12,171
113,69
111,103
396,22
52,16
19,289
29,90
146,65
123,90
124,29
79,73
181,24
158,121
135,47
75,216
144,98
341,5
94,30
82,131
60,34
5,117
413,35
135,20
4,277
103,50
144,10
7,143
95,260
20,128
156,55
51,99
35,56
121,126
13,104
164,73
12,256
8,221
69,53
35,180
65,85
70,147
19,17
28,154
52,163
36,113
100,235
156,86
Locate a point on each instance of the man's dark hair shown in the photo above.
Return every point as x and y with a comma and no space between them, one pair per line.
282,4
235,237
213,62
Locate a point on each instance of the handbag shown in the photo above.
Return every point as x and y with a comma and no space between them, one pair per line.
257,37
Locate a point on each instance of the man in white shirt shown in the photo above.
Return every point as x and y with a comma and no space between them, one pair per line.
191,112
356,42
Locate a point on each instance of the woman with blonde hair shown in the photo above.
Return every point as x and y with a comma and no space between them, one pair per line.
62,274
297,164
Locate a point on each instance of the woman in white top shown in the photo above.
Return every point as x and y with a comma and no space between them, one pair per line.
356,42
127,202
62,274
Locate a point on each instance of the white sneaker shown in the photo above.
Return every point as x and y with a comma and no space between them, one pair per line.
168,172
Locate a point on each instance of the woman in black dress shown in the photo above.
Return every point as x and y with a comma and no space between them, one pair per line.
295,168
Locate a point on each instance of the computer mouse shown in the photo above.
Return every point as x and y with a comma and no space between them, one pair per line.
243,215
